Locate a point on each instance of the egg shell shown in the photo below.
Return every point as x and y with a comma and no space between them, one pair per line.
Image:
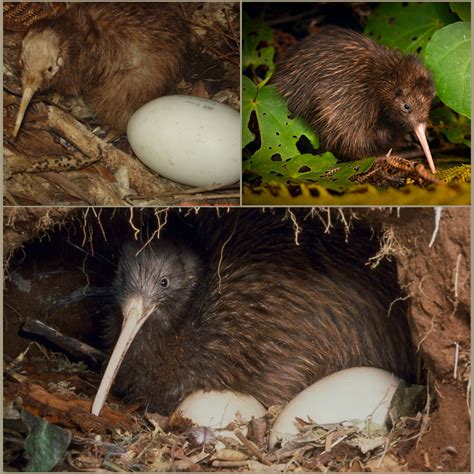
187,139
349,395
217,409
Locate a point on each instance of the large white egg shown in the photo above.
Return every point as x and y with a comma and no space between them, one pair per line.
217,409
350,395
187,139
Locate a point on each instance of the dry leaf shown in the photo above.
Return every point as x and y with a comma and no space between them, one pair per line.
230,455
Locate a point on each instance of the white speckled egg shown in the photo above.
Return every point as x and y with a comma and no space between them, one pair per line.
187,139
218,409
349,395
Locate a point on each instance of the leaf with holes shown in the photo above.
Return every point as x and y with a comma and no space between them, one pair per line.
408,26
279,134
338,177
249,96
448,55
257,50
326,171
323,170
309,167
463,9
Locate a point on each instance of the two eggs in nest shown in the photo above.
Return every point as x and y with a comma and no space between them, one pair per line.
359,396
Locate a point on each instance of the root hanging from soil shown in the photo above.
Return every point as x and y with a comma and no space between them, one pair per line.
390,247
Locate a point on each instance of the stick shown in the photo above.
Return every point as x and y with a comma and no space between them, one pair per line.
69,344
141,179
230,463
20,163
251,447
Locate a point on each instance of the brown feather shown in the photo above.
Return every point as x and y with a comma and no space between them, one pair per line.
117,56
268,319
351,90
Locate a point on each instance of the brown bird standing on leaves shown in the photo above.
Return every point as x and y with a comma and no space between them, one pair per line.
116,56
359,96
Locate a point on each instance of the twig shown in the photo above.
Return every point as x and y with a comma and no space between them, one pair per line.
69,344
291,18
69,161
387,444
217,463
219,187
141,179
251,447
287,453
204,197
67,186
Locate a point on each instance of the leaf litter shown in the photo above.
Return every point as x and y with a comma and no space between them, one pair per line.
125,439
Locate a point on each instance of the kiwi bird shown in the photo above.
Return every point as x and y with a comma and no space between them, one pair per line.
261,315
360,97
115,56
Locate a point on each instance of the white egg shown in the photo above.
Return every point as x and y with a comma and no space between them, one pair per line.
187,139
217,409
350,395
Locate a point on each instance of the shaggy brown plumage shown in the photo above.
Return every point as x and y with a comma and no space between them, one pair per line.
268,319
359,96
116,56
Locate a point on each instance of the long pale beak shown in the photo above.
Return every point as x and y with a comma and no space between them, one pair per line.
136,312
28,93
420,133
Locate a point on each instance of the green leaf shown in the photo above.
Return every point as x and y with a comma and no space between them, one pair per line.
257,49
279,133
249,95
46,444
463,9
275,136
448,55
325,170
337,177
456,128
309,167
408,26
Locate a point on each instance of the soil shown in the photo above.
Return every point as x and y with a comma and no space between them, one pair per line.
440,318
436,278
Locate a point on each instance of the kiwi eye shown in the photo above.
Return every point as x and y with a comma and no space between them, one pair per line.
406,107
164,283
50,69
